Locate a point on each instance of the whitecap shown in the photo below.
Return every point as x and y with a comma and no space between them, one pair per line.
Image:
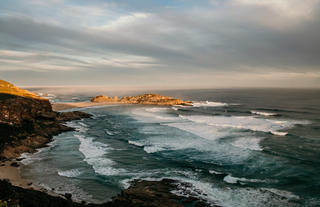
233,180
70,173
153,149
136,143
262,113
245,122
251,143
94,153
154,114
279,133
215,172
155,110
109,132
209,104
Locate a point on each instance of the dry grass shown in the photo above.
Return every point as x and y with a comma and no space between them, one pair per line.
8,88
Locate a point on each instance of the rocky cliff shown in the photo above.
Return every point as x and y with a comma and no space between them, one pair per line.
149,99
28,121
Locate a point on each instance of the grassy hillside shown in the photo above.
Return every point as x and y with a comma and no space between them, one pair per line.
8,88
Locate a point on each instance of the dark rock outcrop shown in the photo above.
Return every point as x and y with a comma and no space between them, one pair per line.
140,194
155,194
29,123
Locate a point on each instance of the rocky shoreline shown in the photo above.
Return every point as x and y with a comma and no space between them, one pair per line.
146,99
28,123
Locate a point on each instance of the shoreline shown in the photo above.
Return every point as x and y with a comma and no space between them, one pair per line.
13,175
60,106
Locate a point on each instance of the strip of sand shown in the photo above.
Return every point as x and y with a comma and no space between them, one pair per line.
70,105
13,174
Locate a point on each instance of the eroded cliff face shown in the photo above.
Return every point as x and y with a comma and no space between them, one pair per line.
148,99
27,123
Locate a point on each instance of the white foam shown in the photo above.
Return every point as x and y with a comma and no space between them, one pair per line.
155,110
109,132
251,143
209,104
154,114
70,173
215,172
204,131
28,158
136,143
233,180
279,133
262,113
282,193
94,153
245,122
174,108
79,126
153,149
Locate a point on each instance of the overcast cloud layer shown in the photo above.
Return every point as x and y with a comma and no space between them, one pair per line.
161,44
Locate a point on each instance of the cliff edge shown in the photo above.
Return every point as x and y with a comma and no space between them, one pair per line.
27,121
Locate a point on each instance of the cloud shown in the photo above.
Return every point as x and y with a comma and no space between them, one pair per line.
233,36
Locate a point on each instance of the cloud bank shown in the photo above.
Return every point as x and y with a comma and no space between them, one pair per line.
172,44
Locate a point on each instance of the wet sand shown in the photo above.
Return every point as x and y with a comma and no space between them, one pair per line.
13,174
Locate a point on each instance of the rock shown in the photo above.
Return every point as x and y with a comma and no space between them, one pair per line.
68,196
27,121
74,115
155,193
19,159
14,164
150,99
29,183
102,98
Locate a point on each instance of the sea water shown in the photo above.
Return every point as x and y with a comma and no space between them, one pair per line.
235,147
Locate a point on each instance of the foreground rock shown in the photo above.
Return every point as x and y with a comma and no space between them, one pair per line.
150,99
27,123
155,193
140,194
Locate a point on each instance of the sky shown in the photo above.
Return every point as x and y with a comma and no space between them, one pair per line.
161,44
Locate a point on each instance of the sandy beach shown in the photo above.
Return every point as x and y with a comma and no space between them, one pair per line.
13,174
70,105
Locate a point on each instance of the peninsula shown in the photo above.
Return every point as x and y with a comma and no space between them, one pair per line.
144,99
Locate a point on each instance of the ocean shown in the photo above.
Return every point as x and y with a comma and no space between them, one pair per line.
236,147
